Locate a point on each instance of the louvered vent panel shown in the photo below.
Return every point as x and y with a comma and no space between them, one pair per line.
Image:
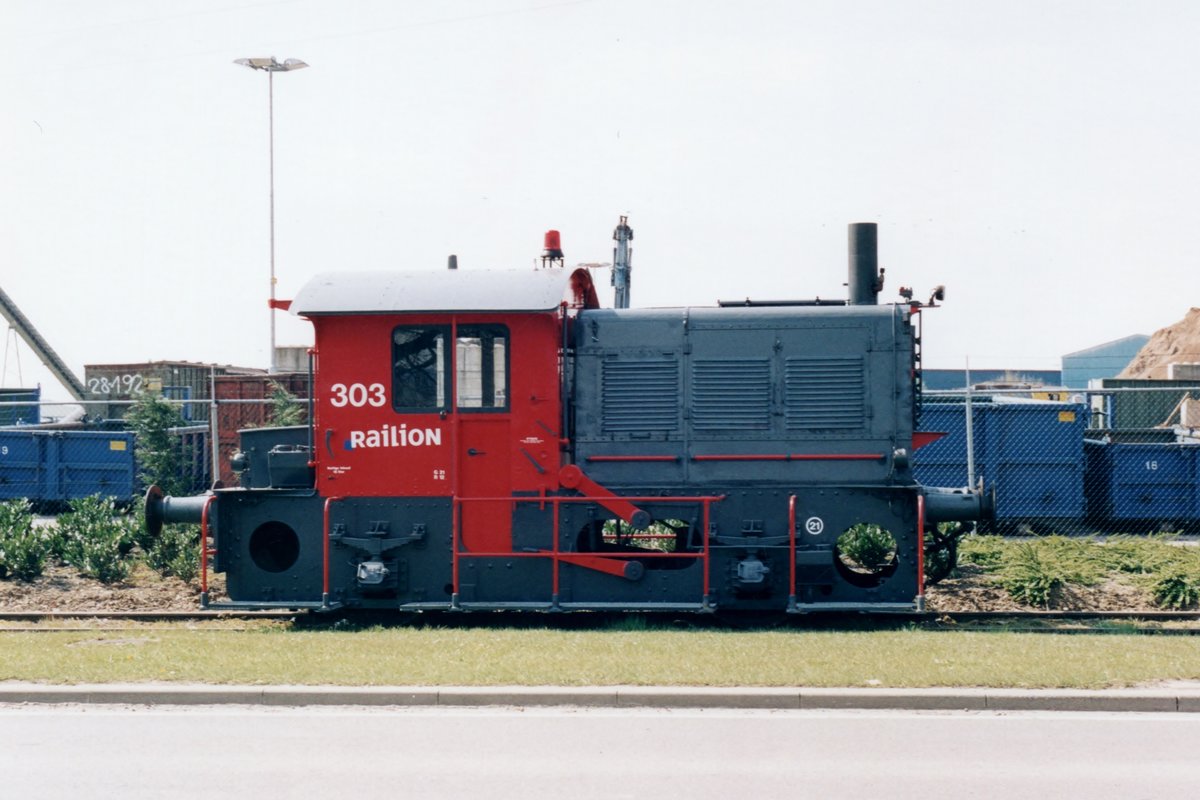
731,395
825,394
640,395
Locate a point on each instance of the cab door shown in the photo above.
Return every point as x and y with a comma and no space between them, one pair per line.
483,420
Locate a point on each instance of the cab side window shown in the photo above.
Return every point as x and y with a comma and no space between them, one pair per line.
419,368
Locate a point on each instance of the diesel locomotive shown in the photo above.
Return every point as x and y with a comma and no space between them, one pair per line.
497,440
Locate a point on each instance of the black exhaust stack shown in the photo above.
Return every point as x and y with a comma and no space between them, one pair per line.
866,278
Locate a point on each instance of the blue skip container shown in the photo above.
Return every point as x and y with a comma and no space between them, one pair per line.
1031,452
1143,487
59,466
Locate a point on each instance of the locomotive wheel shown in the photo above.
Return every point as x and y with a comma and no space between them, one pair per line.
941,553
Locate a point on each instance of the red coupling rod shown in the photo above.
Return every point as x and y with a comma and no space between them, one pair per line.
572,477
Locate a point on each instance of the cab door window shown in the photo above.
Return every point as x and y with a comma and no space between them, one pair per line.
482,360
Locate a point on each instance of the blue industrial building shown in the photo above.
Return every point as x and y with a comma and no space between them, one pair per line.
1078,368
1102,361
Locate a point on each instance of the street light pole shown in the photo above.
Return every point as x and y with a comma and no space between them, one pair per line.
271,66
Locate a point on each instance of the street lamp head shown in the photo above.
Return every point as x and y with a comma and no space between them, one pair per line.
270,64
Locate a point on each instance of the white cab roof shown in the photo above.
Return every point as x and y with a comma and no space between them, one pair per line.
444,290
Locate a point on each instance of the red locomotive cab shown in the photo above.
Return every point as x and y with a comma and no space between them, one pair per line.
441,385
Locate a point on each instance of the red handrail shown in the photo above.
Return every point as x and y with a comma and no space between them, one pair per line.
538,498
921,552
707,562
204,551
329,501
454,518
647,459
555,553
792,457
744,457
568,557
554,511
792,550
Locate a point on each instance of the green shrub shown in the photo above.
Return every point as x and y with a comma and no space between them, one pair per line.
1074,559
96,540
1027,577
23,548
159,453
1137,555
176,552
1033,571
985,552
867,547
1177,584
661,535
285,410
1175,589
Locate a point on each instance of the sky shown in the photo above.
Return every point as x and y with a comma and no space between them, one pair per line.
1039,159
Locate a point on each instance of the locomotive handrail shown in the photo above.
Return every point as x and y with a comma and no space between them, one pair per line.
742,457
329,501
792,457
600,459
920,552
557,557
791,606
556,562
205,552
650,498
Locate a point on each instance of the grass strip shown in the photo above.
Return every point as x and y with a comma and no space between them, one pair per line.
497,657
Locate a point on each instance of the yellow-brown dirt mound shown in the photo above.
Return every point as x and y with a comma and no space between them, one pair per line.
1175,344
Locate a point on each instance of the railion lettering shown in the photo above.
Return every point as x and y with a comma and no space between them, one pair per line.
394,436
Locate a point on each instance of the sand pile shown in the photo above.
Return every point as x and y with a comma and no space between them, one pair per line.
1175,344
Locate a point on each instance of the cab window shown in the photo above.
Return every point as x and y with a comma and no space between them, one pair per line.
481,356
419,368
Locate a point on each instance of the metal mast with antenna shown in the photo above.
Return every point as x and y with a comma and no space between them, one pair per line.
622,263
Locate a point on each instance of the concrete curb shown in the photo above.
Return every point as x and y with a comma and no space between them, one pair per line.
1116,700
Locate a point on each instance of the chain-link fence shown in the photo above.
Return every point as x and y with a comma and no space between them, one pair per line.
1110,460
59,452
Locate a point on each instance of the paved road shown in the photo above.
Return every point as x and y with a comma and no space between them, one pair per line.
244,752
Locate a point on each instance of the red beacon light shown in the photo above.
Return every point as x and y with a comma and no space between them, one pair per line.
552,254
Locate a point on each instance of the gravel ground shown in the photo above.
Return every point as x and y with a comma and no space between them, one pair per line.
63,589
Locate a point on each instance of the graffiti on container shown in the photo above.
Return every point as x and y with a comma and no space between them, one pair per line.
116,384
